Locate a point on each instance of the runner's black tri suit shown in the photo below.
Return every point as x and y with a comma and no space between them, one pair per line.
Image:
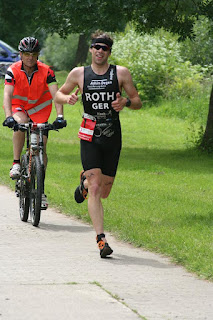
98,93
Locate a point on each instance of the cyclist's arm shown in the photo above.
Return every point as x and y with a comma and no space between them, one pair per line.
59,107
53,88
8,94
74,78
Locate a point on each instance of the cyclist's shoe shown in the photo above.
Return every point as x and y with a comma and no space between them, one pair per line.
44,203
15,171
81,192
104,247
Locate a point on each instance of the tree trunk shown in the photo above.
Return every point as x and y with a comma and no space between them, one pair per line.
207,141
82,50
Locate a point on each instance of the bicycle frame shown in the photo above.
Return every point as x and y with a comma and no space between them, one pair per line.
30,186
35,144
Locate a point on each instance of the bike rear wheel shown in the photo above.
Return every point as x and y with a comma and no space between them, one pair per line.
36,191
23,187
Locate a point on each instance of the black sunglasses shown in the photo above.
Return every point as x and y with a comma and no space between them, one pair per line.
98,47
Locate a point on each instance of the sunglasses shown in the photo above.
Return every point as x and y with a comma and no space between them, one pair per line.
98,47
33,54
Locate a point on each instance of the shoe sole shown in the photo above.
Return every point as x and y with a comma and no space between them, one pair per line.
44,208
15,177
78,196
106,252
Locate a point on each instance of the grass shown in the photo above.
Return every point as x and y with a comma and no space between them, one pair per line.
162,196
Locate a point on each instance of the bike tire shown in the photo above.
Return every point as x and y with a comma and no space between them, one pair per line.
23,187
36,191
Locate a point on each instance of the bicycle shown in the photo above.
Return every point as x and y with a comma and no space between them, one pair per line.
29,187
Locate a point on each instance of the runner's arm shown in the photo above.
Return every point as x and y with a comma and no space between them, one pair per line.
125,82
63,95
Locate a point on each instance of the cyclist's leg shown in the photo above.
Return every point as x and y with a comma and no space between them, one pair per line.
20,116
18,137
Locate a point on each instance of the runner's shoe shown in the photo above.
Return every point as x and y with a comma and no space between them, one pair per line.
104,247
44,203
15,171
81,192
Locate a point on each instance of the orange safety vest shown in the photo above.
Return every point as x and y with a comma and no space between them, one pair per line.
35,98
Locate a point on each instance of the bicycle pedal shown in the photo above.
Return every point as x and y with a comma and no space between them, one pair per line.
44,208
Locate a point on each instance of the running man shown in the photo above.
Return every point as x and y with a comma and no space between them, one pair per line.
101,87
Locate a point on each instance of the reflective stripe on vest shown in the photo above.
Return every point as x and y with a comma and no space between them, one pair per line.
39,107
25,98
20,97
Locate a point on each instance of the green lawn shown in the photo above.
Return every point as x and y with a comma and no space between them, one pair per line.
162,198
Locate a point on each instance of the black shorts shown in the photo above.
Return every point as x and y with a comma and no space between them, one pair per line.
102,153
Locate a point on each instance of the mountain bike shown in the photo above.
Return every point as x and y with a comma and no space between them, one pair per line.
30,186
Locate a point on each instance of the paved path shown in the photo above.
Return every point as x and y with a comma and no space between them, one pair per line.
54,272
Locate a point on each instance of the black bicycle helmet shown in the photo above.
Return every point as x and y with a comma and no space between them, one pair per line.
29,44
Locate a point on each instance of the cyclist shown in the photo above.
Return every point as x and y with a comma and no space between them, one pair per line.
30,86
101,85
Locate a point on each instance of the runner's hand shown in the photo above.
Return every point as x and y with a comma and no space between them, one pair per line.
9,122
73,98
119,103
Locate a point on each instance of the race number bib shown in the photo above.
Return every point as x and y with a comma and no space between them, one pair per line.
87,127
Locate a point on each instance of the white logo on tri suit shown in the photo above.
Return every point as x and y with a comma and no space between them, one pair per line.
111,74
101,99
98,84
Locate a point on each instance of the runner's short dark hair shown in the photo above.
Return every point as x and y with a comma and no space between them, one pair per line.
102,34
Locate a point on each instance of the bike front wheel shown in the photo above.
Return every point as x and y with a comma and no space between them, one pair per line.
36,191
23,190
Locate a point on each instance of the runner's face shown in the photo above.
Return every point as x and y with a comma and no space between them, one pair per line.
29,59
99,56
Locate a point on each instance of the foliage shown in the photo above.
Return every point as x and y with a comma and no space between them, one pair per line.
156,65
17,20
199,49
77,16
60,53
86,16
175,16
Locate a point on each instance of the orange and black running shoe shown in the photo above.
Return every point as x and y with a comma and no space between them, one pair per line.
81,192
104,247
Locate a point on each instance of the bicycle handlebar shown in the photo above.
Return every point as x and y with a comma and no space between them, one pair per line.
34,125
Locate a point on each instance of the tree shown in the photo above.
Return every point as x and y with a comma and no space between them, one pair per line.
82,17
207,139
17,20
178,16
69,16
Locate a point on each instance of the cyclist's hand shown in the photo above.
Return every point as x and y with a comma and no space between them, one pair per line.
9,122
59,123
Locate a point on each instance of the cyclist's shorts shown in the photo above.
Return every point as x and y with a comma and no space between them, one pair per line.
18,108
103,154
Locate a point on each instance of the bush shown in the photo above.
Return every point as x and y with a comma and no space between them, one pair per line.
156,65
60,53
199,49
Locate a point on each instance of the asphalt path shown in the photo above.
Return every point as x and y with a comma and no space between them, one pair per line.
55,272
